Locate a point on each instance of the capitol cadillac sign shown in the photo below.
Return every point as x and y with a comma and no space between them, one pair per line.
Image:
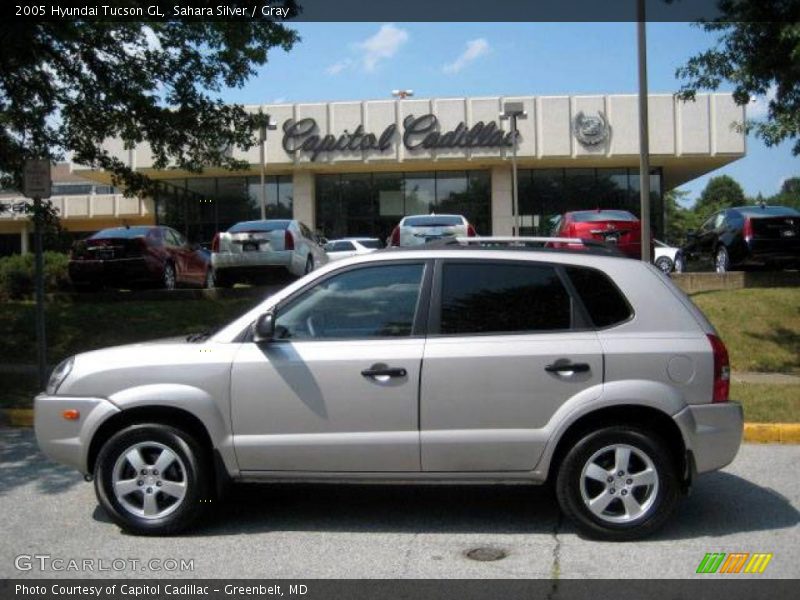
418,133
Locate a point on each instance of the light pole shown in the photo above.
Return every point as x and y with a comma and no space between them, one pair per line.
513,111
266,125
644,141
402,94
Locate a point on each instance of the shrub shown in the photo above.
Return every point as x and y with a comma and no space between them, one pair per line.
17,274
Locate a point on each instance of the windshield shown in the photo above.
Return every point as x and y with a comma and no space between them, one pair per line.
592,216
259,226
433,221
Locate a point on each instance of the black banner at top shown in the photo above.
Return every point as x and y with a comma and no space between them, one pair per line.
381,11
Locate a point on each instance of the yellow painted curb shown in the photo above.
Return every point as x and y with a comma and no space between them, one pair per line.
772,433
20,417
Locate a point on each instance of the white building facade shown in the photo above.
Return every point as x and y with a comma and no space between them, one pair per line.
355,168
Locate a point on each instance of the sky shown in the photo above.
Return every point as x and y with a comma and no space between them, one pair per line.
366,61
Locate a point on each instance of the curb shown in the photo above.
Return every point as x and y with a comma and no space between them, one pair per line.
757,433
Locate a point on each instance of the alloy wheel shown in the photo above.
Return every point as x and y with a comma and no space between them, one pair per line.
169,277
722,261
149,480
619,484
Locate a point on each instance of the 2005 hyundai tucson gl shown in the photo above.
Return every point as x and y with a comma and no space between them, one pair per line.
454,364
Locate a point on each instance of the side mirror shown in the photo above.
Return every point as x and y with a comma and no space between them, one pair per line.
264,331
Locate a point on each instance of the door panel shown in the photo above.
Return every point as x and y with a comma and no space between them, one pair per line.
484,400
305,406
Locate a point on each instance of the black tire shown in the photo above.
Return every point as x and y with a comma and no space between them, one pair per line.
664,264
309,264
658,499
722,261
169,280
193,467
680,263
211,282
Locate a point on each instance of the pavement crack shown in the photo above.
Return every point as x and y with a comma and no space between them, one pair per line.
555,568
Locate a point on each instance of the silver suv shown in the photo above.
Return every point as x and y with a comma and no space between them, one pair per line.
468,362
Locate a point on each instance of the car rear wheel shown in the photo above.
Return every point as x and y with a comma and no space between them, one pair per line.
153,479
722,261
664,264
309,264
210,282
680,263
170,279
618,483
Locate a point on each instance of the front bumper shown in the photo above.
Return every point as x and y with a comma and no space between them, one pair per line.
712,433
64,441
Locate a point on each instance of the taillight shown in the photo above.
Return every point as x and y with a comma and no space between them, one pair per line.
288,240
748,229
471,231
396,236
215,243
722,370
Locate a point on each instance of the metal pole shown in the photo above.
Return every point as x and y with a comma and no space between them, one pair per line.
644,142
41,342
263,175
514,200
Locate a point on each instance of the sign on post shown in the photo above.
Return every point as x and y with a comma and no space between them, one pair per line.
36,176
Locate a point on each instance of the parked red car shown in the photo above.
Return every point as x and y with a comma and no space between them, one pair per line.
610,226
125,256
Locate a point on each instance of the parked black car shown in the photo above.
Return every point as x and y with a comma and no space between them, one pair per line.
745,236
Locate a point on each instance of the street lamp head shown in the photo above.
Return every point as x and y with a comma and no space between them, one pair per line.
513,109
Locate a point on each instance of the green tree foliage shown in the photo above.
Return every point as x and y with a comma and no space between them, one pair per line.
720,192
679,219
758,51
67,86
789,194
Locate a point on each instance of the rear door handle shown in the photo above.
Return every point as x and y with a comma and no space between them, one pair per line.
384,372
567,367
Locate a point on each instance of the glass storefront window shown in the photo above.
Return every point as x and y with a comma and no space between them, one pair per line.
420,193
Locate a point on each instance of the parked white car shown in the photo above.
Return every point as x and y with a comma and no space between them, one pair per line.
347,247
415,230
667,258
251,248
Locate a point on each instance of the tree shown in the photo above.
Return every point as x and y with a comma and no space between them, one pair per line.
758,51
66,86
678,219
789,194
720,192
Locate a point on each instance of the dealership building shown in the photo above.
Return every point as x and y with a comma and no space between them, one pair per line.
355,168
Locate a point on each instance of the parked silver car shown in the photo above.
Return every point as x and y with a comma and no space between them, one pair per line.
457,363
251,248
414,230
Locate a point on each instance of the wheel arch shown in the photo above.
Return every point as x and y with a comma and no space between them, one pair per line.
633,415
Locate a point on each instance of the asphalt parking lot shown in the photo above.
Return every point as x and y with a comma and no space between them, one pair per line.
305,531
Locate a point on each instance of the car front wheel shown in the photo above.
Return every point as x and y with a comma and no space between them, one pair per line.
170,279
153,479
664,264
618,483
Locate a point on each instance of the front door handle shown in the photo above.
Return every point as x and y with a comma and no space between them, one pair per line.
376,371
567,367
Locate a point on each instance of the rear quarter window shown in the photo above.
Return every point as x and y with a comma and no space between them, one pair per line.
603,300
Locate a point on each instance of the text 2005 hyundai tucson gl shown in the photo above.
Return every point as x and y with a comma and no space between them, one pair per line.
453,363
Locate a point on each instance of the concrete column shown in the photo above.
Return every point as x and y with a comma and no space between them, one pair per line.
502,219
23,238
303,201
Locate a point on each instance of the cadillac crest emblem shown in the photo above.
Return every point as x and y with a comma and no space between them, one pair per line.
590,130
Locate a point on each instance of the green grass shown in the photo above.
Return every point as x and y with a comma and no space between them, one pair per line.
73,328
768,403
760,326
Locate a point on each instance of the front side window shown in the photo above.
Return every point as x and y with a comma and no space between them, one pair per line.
495,297
369,302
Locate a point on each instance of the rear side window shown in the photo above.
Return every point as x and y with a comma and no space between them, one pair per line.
603,300
502,298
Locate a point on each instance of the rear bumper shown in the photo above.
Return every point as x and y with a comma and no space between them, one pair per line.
115,270
762,252
67,442
249,260
712,433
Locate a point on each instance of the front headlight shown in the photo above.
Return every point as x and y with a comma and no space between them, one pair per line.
59,375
